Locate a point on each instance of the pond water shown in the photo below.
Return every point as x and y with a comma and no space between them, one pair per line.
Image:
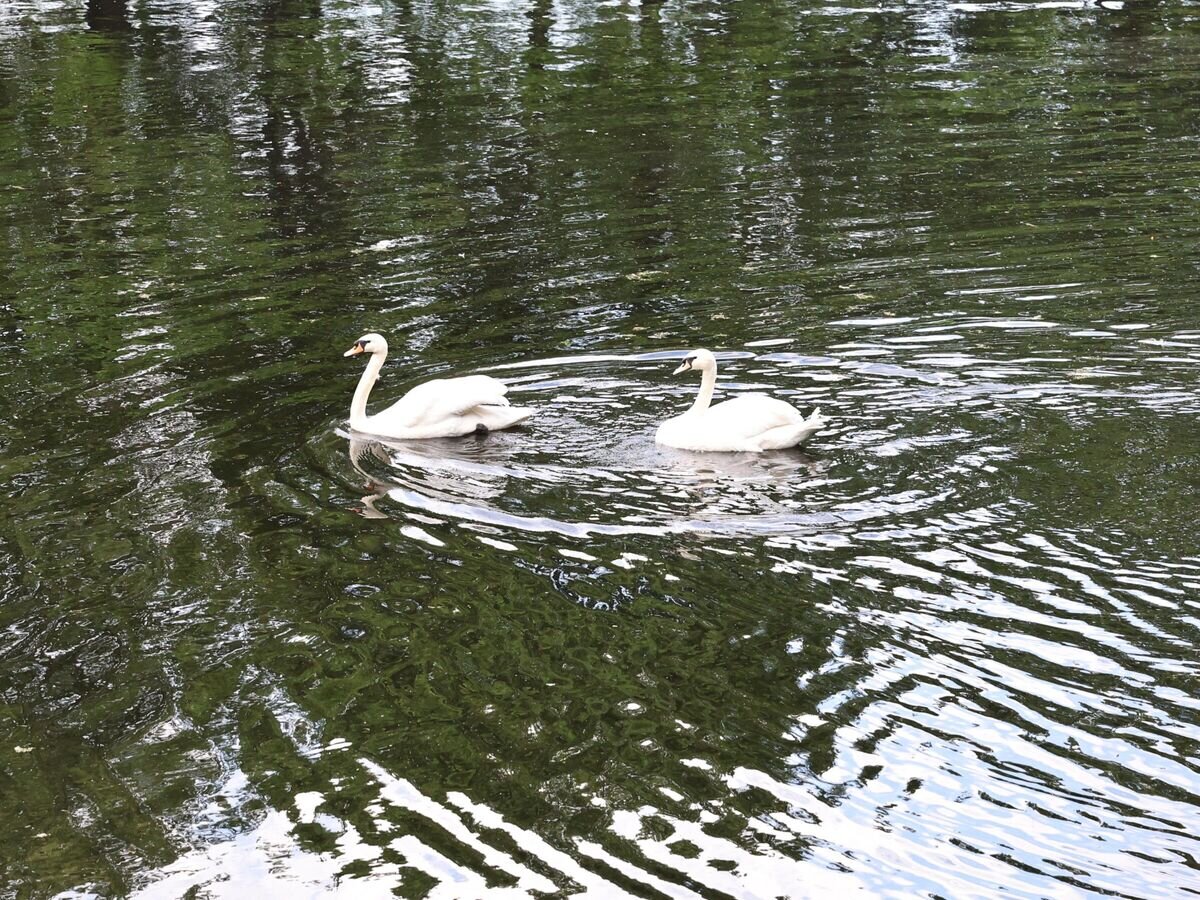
947,649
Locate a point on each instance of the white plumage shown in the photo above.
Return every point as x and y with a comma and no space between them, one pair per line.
748,424
444,407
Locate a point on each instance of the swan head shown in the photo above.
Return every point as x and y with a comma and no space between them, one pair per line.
368,343
700,360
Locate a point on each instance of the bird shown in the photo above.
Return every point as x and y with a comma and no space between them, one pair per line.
444,407
748,424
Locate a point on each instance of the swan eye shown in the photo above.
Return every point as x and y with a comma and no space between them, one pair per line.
361,344
688,362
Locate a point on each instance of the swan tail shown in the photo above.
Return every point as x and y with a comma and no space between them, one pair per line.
793,435
496,418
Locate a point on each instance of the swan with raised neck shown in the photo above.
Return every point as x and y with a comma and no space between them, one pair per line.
443,407
749,423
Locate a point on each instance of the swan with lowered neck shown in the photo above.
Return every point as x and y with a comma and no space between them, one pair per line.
748,424
444,407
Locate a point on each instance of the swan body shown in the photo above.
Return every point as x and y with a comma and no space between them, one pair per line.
444,407
748,424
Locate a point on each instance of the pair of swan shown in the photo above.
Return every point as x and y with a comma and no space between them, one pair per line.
450,407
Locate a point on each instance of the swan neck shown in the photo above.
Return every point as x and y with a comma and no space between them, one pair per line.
707,383
358,406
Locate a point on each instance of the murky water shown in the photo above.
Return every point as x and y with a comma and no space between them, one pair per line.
947,649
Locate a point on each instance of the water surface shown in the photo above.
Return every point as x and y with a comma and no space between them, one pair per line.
946,650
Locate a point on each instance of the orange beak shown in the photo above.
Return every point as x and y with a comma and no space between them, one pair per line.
354,351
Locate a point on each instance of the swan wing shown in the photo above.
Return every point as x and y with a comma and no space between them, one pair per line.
453,396
750,416
792,435
749,423
444,398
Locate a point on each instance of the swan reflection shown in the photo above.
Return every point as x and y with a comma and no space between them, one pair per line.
429,467
653,491
740,466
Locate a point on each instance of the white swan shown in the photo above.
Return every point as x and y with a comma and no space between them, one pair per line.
444,407
751,423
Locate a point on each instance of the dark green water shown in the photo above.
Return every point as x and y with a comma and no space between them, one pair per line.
948,650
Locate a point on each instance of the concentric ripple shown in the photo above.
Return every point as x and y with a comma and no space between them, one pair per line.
588,464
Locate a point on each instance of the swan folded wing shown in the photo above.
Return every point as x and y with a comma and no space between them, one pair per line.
473,390
445,398
749,416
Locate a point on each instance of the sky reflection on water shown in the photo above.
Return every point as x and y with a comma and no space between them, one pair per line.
947,648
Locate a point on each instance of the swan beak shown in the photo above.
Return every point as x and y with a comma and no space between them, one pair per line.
354,351
682,368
